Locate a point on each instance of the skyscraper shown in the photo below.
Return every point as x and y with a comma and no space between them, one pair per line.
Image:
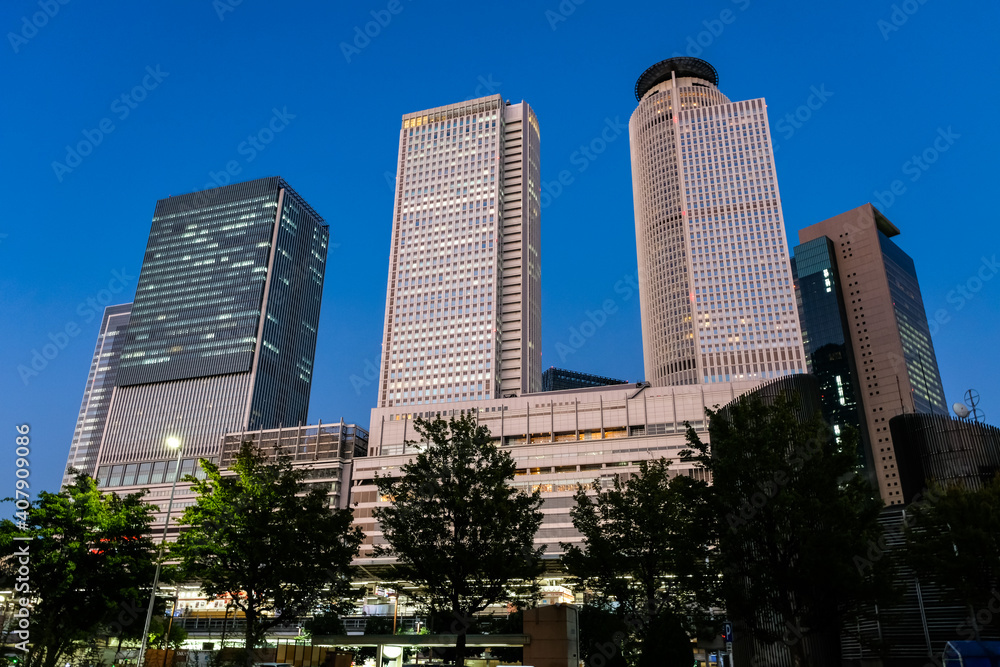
97,394
463,302
715,285
825,335
223,329
887,327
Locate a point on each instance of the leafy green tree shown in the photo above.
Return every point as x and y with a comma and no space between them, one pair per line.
602,631
158,634
127,632
256,535
326,623
378,625
88,559
457,526
793,516
954,541
648,553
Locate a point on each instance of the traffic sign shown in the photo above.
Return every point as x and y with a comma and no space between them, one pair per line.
727,632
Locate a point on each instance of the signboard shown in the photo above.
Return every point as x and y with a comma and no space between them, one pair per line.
727,632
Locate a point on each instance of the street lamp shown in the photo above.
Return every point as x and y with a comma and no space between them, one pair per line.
395,609
394,653
172,443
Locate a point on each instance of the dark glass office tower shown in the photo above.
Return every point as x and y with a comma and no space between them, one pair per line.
883,322
827,343
826,338
97,394
223,329
914,331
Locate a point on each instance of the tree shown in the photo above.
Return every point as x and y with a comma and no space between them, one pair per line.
129,634
648,555
158,634
326,623
89,557
793,517
602,630
954,541
256,536
457,526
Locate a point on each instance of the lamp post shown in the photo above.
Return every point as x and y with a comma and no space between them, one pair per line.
3,620
172,443
395,609
170,625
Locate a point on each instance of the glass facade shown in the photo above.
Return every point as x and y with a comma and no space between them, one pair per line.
324,450
826,337
291,319
208,268
319,442
558,379
197,304
150,472
97,395
914,332
223,330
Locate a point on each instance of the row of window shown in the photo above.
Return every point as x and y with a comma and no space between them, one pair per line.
150,472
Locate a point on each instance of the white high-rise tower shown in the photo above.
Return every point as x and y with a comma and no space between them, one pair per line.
715,285
463,303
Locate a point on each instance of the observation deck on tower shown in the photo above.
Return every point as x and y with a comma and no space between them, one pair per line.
683,66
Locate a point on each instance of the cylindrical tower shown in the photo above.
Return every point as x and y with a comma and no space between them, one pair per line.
664,286
714,281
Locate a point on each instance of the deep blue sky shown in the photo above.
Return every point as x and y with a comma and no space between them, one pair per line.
889,93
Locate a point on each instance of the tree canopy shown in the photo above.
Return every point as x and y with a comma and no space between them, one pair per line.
793,516
648,554
88,559
257,536
954,541
458,527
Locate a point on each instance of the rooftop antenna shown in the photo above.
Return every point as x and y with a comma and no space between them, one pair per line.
969,408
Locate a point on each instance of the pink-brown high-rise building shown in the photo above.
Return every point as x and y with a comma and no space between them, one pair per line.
715,285
463,301
885,324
